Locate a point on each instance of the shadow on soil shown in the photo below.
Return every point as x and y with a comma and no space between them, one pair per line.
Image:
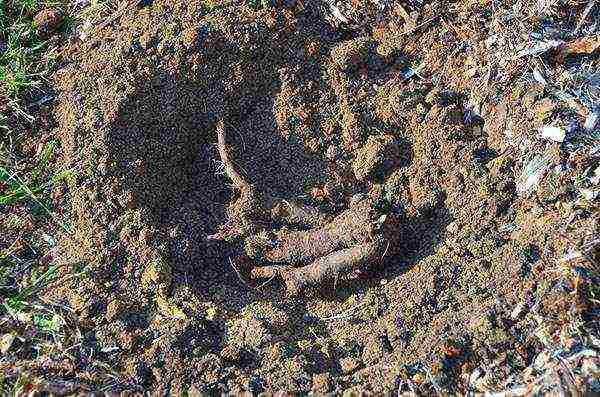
164,146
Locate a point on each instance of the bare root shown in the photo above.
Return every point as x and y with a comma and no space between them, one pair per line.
352,226
243,209
330,249
238,181
252,205
326,268
297,213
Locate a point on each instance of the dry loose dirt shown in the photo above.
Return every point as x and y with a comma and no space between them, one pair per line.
138,105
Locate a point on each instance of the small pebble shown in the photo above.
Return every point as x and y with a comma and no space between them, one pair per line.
6,342
518,311
539,77
556,134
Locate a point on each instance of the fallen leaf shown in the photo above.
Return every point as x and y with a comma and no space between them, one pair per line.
26,318
168,309
6,342
585,45
211,313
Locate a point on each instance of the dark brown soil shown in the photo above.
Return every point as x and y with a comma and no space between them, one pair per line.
138,104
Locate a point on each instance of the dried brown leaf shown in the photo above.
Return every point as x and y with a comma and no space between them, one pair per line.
585,45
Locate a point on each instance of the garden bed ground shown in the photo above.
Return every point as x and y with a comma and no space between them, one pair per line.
476,291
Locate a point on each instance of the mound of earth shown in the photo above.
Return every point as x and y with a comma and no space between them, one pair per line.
138,105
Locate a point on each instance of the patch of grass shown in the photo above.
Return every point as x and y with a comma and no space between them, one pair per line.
41,324
25,56
33,189
21,48
19,299
26,181
16,191
15,81
37,280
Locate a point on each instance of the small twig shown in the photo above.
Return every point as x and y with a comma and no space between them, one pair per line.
236,271
584,16
237,179
386,250
265,283
567,369
424,23
17,109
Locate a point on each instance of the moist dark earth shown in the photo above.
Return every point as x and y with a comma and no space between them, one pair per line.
304,103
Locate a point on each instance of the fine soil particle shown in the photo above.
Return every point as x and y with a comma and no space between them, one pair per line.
138,106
